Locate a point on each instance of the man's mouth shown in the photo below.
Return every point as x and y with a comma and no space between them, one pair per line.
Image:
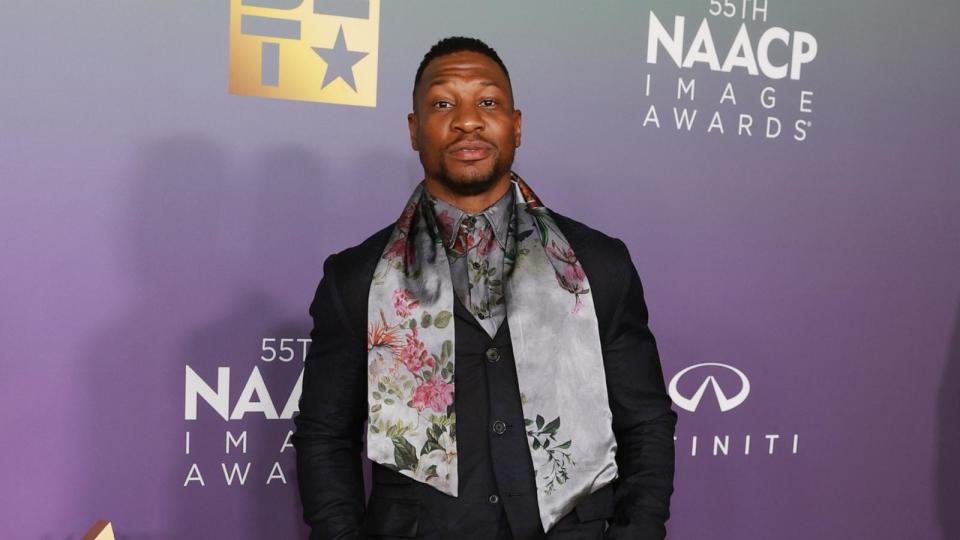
470,150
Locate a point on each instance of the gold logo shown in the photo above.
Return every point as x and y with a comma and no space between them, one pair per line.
308,50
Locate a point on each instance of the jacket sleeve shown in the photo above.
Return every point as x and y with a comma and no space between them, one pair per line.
643,421
329,427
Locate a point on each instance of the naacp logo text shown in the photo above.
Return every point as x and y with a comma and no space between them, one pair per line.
732,44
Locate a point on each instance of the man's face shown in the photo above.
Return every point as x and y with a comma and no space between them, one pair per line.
464,124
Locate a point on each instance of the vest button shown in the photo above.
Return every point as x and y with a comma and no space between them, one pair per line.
493,355
499,427
494,499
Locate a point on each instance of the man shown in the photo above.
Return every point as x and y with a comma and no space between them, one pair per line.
497,351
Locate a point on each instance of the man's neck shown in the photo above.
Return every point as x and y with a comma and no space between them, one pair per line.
472,204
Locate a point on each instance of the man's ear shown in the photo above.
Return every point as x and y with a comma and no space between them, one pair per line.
516,126
414,126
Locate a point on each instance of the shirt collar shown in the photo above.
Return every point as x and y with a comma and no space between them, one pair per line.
498,214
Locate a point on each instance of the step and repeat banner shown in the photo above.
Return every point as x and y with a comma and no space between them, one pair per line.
785,175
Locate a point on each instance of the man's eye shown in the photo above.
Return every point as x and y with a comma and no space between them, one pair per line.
487,103
441,104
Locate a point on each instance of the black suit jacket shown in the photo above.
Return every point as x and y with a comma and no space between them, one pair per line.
333,407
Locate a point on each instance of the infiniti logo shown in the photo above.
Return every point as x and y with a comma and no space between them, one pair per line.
726,403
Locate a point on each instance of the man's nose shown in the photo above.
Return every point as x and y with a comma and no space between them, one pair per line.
467,118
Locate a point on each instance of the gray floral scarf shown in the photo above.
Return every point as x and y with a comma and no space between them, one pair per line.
556,343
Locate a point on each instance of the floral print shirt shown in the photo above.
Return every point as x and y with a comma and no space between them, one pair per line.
475,245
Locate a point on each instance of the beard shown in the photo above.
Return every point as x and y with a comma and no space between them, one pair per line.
475,182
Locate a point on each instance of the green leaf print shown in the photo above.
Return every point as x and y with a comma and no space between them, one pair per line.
433,436
404,454
442,319
544,436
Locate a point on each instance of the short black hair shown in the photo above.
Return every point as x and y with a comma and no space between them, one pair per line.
455,44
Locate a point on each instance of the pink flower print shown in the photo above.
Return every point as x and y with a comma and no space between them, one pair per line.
464,240
414,354
404,302
445,224
486,241
571,276
396,249
406,218
434,394
572,271
565,254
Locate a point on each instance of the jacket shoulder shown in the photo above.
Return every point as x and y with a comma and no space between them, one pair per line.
592,243
350,272
349,261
